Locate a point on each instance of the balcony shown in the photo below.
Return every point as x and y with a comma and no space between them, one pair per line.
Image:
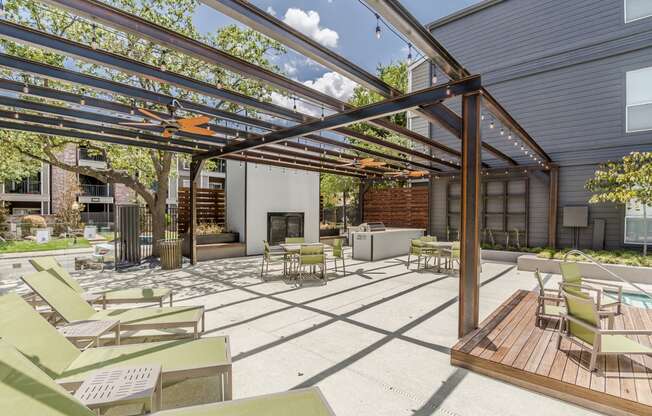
25,187
89,158
96,190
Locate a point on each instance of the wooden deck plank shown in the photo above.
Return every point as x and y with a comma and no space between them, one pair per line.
639,362
540,349
510,346
501,332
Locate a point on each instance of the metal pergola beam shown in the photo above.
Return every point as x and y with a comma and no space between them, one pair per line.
135,25
69,48
102,130
399,17
370,152
381,109
112,87
289,165
274,28
114,107
32,128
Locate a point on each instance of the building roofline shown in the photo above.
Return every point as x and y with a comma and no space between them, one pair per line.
462,13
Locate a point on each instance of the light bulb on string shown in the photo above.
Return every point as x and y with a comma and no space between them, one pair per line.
434,74
94,44
377,26
163,66
502,132
322,113
492,124
25,89
294,107
409,57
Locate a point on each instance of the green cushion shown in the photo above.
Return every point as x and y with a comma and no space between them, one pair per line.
72,307
136,294
305,402
42,264
25,329
553,310
428,239
28,391
620,343
584,310
150,316
59,296
176,355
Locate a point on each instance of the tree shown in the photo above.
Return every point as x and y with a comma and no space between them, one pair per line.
396,75
332,186
137,168
624,181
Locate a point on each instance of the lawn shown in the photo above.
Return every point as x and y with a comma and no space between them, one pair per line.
27,246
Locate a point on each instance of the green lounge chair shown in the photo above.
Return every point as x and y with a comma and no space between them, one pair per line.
581,325
28,391
419,249
165,321
133,295
572,276
22,327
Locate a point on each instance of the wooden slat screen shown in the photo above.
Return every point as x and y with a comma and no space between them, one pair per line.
210,207
397,207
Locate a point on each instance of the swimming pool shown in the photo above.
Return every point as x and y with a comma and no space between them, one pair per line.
638,300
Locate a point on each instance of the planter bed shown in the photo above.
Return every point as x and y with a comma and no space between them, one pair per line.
501,255
635,274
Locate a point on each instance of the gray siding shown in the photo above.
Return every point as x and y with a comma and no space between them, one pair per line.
559,68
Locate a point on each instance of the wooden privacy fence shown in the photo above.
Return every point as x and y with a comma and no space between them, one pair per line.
397,207
210,207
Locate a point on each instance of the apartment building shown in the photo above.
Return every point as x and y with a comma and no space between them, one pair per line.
578,76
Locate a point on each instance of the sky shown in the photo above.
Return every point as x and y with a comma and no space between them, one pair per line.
344,26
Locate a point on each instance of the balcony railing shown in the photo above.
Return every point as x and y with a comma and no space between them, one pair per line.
85,154
23,187
96,190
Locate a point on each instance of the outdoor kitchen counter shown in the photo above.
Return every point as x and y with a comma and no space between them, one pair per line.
378,245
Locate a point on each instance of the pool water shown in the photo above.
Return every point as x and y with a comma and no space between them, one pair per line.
638,300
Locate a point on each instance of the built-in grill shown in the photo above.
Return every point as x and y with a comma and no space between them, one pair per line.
372,226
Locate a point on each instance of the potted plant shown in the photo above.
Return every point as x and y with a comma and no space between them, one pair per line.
328,230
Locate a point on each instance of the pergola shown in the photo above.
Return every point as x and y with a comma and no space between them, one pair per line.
272,140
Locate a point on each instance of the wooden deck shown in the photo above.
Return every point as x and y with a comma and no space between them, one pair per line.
510,347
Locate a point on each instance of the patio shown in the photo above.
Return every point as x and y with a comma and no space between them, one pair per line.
376,341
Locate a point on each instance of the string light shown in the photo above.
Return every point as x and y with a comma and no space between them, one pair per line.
60,123
294,106
434,74
482,116
25,89
322,115
409,57
82,100
502,132
132,110
377,26
94,44
163,65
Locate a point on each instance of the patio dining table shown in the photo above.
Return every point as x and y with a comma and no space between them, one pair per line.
441,247
292,250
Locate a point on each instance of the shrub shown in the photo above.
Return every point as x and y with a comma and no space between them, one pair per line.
34,221
207,228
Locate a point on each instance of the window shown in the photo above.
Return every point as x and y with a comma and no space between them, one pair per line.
634,223
637,9
639,100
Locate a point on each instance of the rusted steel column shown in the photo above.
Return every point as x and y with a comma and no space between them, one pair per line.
470,215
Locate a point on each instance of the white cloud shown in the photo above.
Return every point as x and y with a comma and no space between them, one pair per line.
308,24
271,10
290,68
331,83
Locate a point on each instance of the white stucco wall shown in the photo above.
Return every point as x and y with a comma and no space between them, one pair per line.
276,190
235,198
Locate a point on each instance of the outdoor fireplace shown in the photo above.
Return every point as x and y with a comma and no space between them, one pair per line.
283,224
